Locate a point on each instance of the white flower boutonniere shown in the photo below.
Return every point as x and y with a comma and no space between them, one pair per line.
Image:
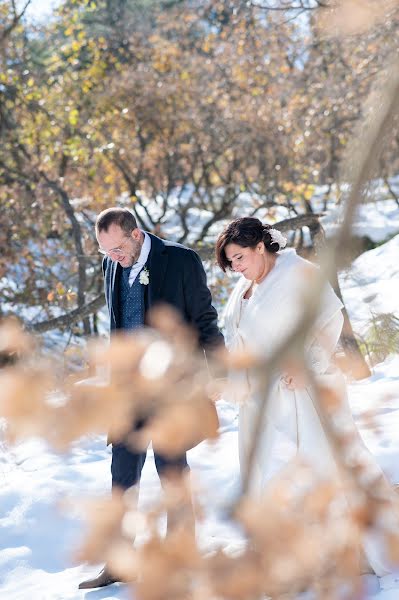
144,277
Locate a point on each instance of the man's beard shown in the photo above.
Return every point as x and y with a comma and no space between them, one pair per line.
133,255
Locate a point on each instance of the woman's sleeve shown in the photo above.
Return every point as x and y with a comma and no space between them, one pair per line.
323,344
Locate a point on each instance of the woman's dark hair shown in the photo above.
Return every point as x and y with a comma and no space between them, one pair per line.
122,217
246,232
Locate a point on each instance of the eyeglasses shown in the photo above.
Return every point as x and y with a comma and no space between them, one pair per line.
117,251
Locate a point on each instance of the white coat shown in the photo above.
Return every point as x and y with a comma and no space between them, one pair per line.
291,426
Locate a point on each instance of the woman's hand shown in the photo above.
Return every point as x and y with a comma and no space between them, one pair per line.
293,383
214,389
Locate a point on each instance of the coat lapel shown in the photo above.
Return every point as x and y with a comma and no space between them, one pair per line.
113,291
157,263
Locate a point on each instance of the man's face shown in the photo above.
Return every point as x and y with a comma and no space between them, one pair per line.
119,246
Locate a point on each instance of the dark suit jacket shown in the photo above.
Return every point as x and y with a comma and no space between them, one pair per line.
177,278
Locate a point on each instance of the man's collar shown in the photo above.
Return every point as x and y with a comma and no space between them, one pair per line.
145,249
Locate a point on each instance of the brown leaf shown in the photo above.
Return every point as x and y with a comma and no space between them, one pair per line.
104,522
13,338
167,567
23,401
236,578
392,541
182,425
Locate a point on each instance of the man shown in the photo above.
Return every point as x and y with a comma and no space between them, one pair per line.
140,271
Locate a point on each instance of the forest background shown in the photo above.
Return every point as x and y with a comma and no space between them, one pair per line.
189,113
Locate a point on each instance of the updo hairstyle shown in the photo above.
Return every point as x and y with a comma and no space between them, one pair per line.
246,232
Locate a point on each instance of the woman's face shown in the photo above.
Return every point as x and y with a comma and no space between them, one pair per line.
250,262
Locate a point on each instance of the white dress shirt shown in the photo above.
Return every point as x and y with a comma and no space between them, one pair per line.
142,259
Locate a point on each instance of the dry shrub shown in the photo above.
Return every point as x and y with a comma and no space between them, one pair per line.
26,380
23,401
181,425
14,342
170,566
156,375
104,520
106,538
236,578
304,519
161,567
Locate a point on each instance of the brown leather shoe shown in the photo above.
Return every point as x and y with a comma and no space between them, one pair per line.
103,579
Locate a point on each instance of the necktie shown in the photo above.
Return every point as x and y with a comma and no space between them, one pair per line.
125,274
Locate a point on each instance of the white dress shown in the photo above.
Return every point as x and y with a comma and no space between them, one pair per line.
291,427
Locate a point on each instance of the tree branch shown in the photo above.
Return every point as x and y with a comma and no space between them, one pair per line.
70,318
15,20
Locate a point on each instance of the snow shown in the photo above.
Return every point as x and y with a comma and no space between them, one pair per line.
38,538
371,285
377,220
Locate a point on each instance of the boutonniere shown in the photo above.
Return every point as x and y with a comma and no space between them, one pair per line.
144,278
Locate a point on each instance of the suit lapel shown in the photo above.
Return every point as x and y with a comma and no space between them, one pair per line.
113,292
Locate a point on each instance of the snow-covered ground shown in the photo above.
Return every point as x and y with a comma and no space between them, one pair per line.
37,539
371,286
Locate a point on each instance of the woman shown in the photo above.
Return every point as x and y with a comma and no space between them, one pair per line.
263,309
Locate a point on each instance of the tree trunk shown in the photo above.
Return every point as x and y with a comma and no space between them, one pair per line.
355,363
80,257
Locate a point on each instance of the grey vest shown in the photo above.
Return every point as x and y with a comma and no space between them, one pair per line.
131,302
